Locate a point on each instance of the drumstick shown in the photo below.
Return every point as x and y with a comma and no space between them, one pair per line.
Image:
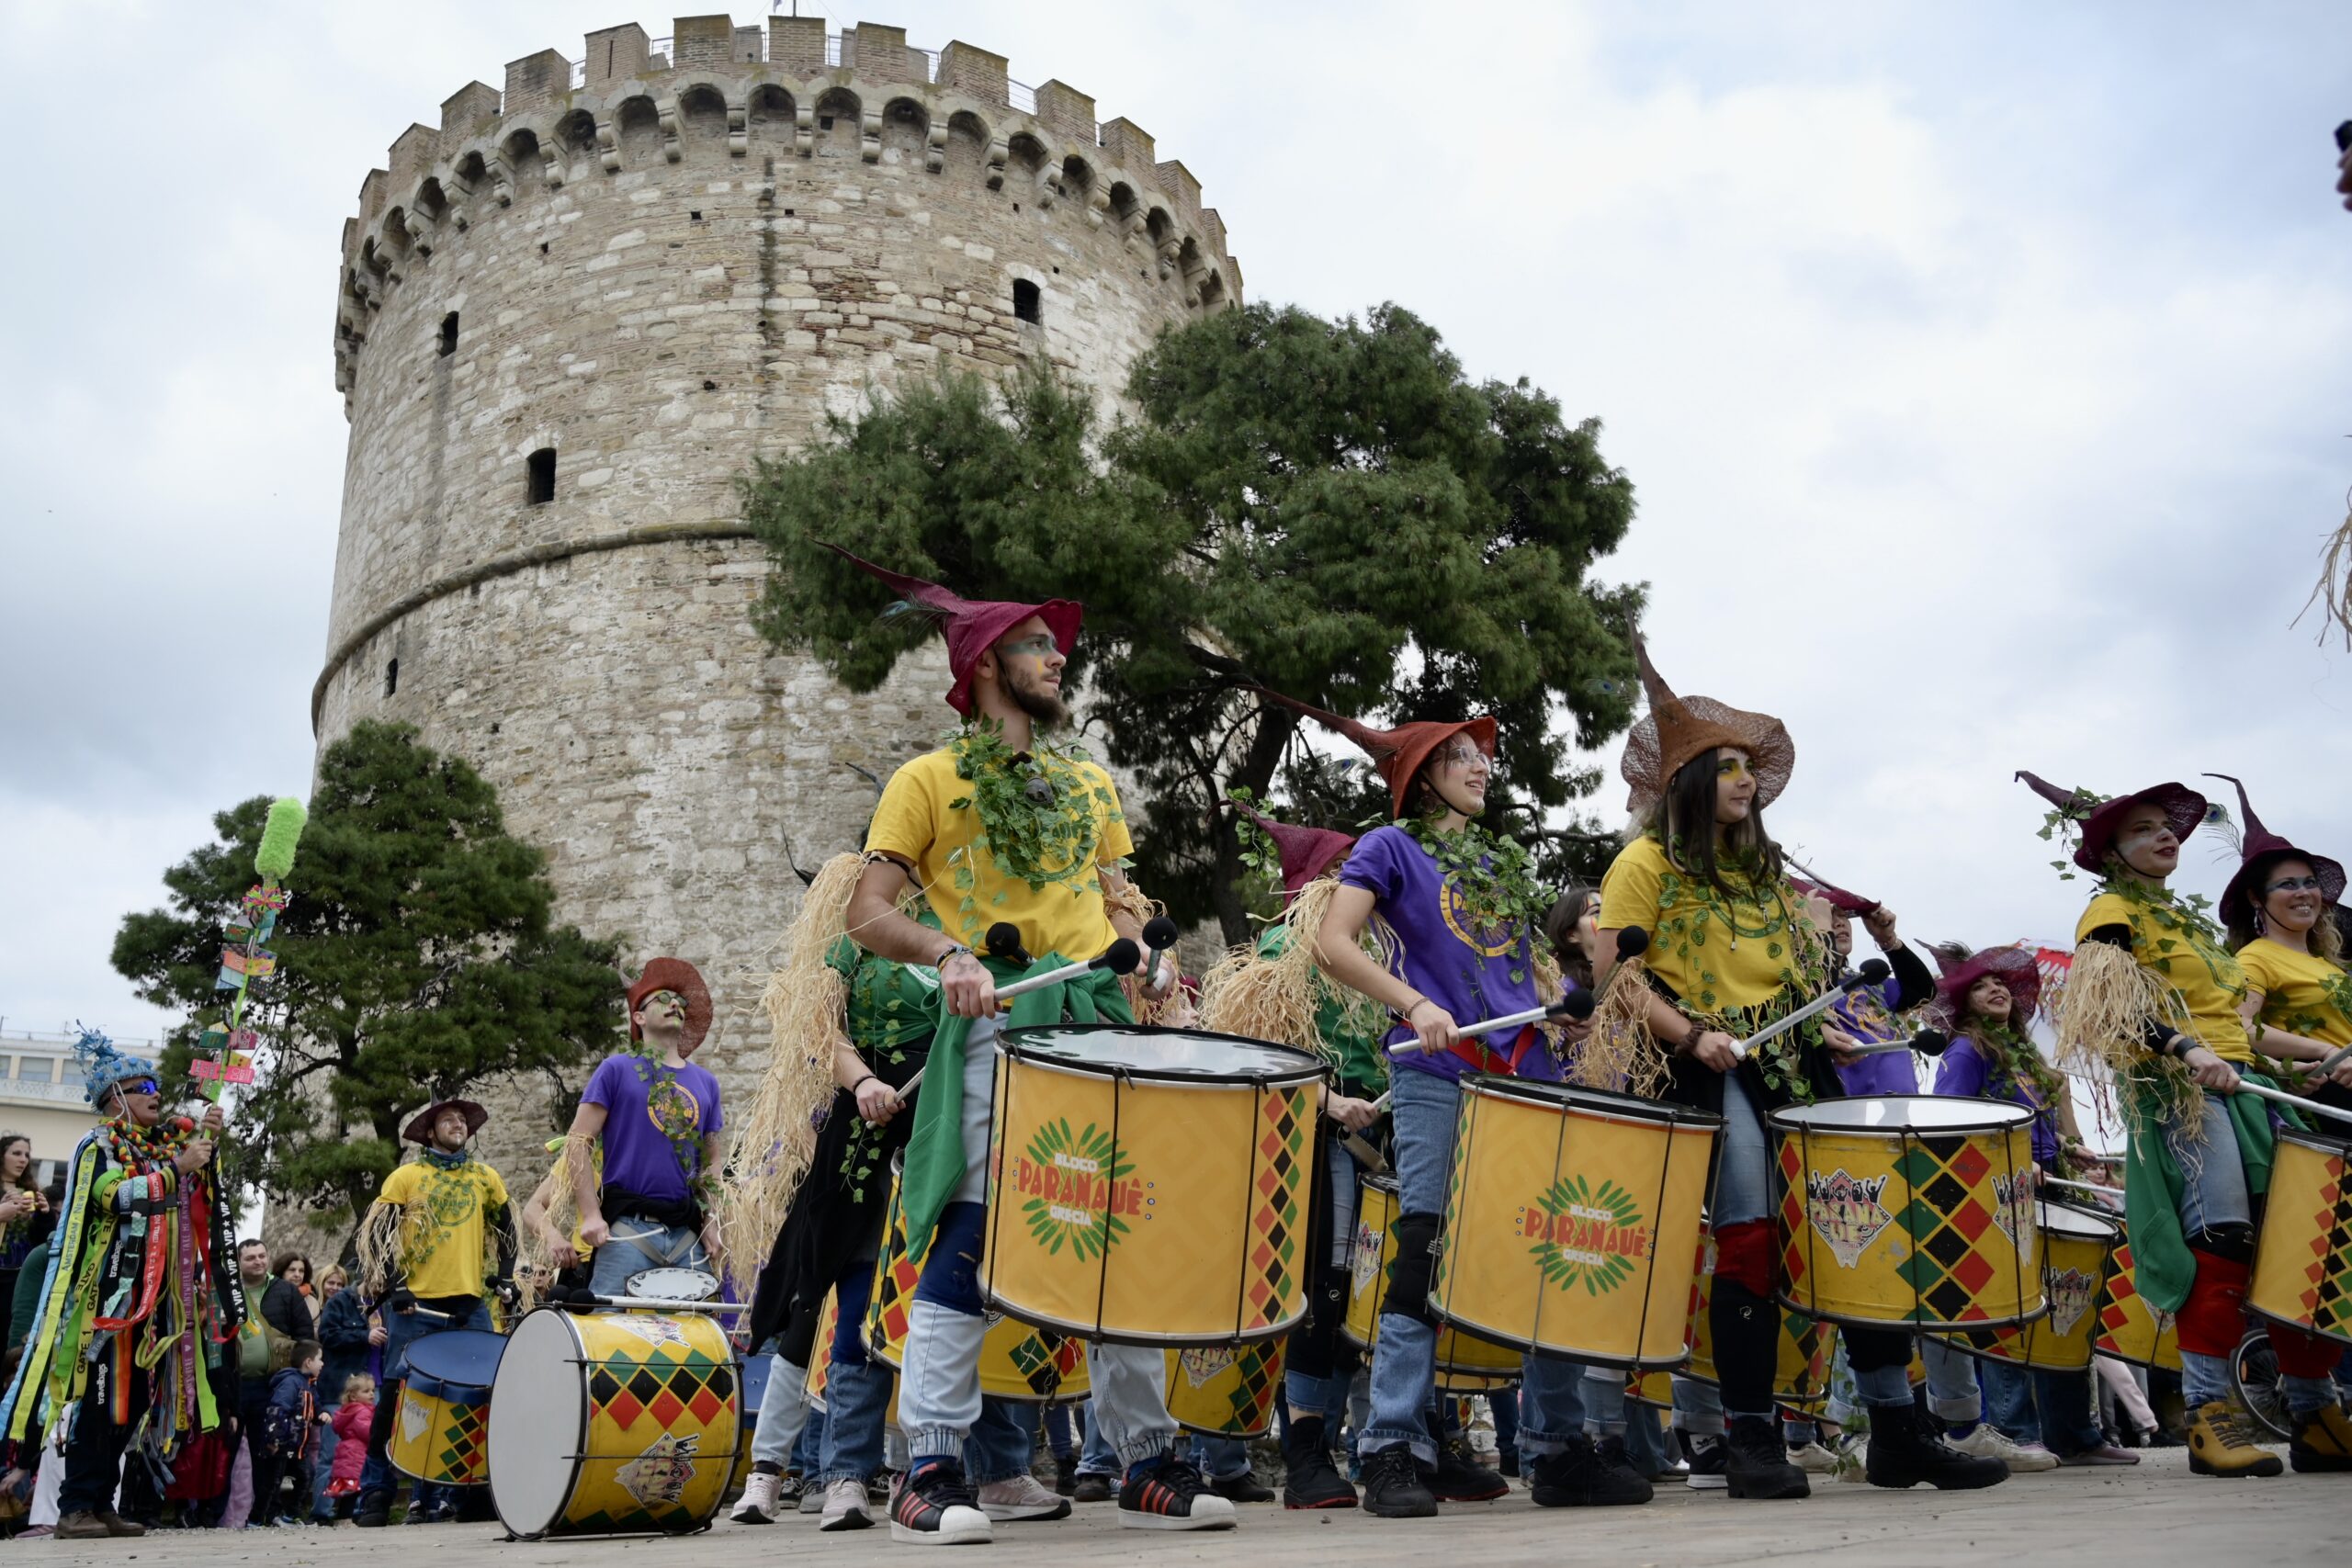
1632,943
1873,973
2086,1186
1927,1042
583,1299
2297,1100
1119,959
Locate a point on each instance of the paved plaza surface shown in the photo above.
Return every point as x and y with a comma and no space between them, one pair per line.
2154,1513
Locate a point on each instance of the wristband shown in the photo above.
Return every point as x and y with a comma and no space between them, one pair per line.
870,1078
953,949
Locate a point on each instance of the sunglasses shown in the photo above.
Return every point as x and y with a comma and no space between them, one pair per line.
139,1086
2294,885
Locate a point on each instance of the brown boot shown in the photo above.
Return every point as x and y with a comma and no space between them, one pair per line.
81,1525
2221,1442
2323,1442
117,1525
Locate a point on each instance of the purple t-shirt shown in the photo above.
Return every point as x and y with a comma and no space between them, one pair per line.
1963,1069
655,1120
1472,974
1867,1013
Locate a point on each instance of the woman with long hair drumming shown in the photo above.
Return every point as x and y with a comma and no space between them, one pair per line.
1731,952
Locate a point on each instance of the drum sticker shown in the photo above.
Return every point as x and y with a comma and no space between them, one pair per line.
414,1417
1080,1191
1584,1237
651,1327
1201,1365
660,1474
2013,1209
1846,1212
2070,1297
1365,1264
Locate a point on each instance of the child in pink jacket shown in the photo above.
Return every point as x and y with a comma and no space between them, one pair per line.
352,1425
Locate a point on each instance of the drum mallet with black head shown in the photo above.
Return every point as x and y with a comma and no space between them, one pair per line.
1873,973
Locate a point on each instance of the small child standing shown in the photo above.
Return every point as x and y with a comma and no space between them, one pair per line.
353,1424
293,1402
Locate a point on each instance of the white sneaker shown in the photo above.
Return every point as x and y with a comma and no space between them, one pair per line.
1814,1459
845,1505
813,1499
1853,1456
1022,1498
758,1504
1988,1442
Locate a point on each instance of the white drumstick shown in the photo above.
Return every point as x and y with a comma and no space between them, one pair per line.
2297,1100
1578,1005
2085,1187
1873,973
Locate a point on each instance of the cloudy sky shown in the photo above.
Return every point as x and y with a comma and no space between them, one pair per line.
1982,371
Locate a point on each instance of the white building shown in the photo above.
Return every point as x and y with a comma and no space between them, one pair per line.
40,1094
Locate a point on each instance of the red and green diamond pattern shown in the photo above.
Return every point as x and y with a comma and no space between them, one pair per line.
2328,1299
661,1387
464,1457
1275,1229
1942,1216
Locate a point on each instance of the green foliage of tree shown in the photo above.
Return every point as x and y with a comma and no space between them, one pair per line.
1328,508
416,957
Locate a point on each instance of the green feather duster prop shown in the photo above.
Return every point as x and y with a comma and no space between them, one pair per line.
278,837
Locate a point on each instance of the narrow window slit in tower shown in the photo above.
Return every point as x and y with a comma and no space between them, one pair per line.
1027,303
449,335
542,480
693,216
391,676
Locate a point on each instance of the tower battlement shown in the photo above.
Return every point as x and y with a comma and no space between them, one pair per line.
716,87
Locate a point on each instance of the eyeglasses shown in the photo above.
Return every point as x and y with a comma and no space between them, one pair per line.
1030,647
2294,885
139,1086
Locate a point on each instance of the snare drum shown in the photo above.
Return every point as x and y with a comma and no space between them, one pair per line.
1370,1256
1149,1186
1017,1361
1904,1210
2302,1264
1226,1391
445,1407
1572,1222
2129,1328
2075,1247
619,1423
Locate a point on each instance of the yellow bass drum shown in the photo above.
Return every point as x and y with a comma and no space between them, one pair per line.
1226,1391
1369,1258
2303,1263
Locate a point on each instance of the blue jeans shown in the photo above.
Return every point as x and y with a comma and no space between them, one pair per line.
1954,1393
403,1329
2069,1412
637,1244
2008,1400
1220,1459
322,1461
1744,1169
2213,1192
858,1386
1095,1456
1424,1108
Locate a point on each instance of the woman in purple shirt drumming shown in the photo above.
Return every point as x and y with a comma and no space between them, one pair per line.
1461,915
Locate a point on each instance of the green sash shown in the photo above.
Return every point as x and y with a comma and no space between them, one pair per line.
2163,1265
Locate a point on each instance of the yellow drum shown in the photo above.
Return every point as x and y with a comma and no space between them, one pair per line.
1149,1186
1800,1365
445,1407
2303,1263
820,1351
1016,1360
1903,1211
2129,1328
2076,1246
1572,1222
1226,1391
1369,1257
624,1422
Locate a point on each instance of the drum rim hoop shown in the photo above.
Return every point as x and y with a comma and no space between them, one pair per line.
1085,1332
1016,1044
2006,1118
408,1356
579,1436
1841,1320
1611,1104
2114,1223
2318,1142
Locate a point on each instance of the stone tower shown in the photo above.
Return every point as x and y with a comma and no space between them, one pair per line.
568,318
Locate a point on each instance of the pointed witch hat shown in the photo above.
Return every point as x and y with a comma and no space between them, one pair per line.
2260,849
2013,966
1306,851
1677,730
2098,820
1398,753
971,627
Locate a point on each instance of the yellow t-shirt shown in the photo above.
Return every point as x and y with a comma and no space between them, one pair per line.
444,1241
2301,993
1717,956
920,822
2186,952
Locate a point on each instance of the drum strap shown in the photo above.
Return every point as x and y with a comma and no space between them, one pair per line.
1486,1059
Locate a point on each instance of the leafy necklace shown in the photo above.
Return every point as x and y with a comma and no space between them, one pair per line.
1041,816
1493,876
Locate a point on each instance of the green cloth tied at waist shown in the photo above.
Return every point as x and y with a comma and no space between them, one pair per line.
935,1161
2163,1267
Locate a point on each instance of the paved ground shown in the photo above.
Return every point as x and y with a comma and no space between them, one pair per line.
2155,1513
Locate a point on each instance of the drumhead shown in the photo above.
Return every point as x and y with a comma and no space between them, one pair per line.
1172,1055
1891,1113
673,1284
467,1357
1598,1100
2064,1219
538,1423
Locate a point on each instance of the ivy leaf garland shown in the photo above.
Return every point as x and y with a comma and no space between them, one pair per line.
1041,817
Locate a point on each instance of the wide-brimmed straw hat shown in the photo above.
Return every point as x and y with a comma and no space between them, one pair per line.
1677,730
674,975
420,1127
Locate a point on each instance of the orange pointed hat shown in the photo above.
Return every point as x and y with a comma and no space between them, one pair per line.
972,627
1398,753
1677,730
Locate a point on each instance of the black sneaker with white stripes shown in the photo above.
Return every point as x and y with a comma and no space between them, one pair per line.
1171,1495
935,1508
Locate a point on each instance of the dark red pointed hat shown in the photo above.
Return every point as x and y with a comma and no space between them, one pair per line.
2258,845
674,975
1306,851
1677,731
2099,819
972,627
2013,966
1398,753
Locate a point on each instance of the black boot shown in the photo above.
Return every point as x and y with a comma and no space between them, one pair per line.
1458,1478
1904,1451
374,1512
1585,1474
1756,1462
1392,1486
1310,1479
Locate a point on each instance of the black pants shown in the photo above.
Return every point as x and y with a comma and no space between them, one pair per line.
94,1452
